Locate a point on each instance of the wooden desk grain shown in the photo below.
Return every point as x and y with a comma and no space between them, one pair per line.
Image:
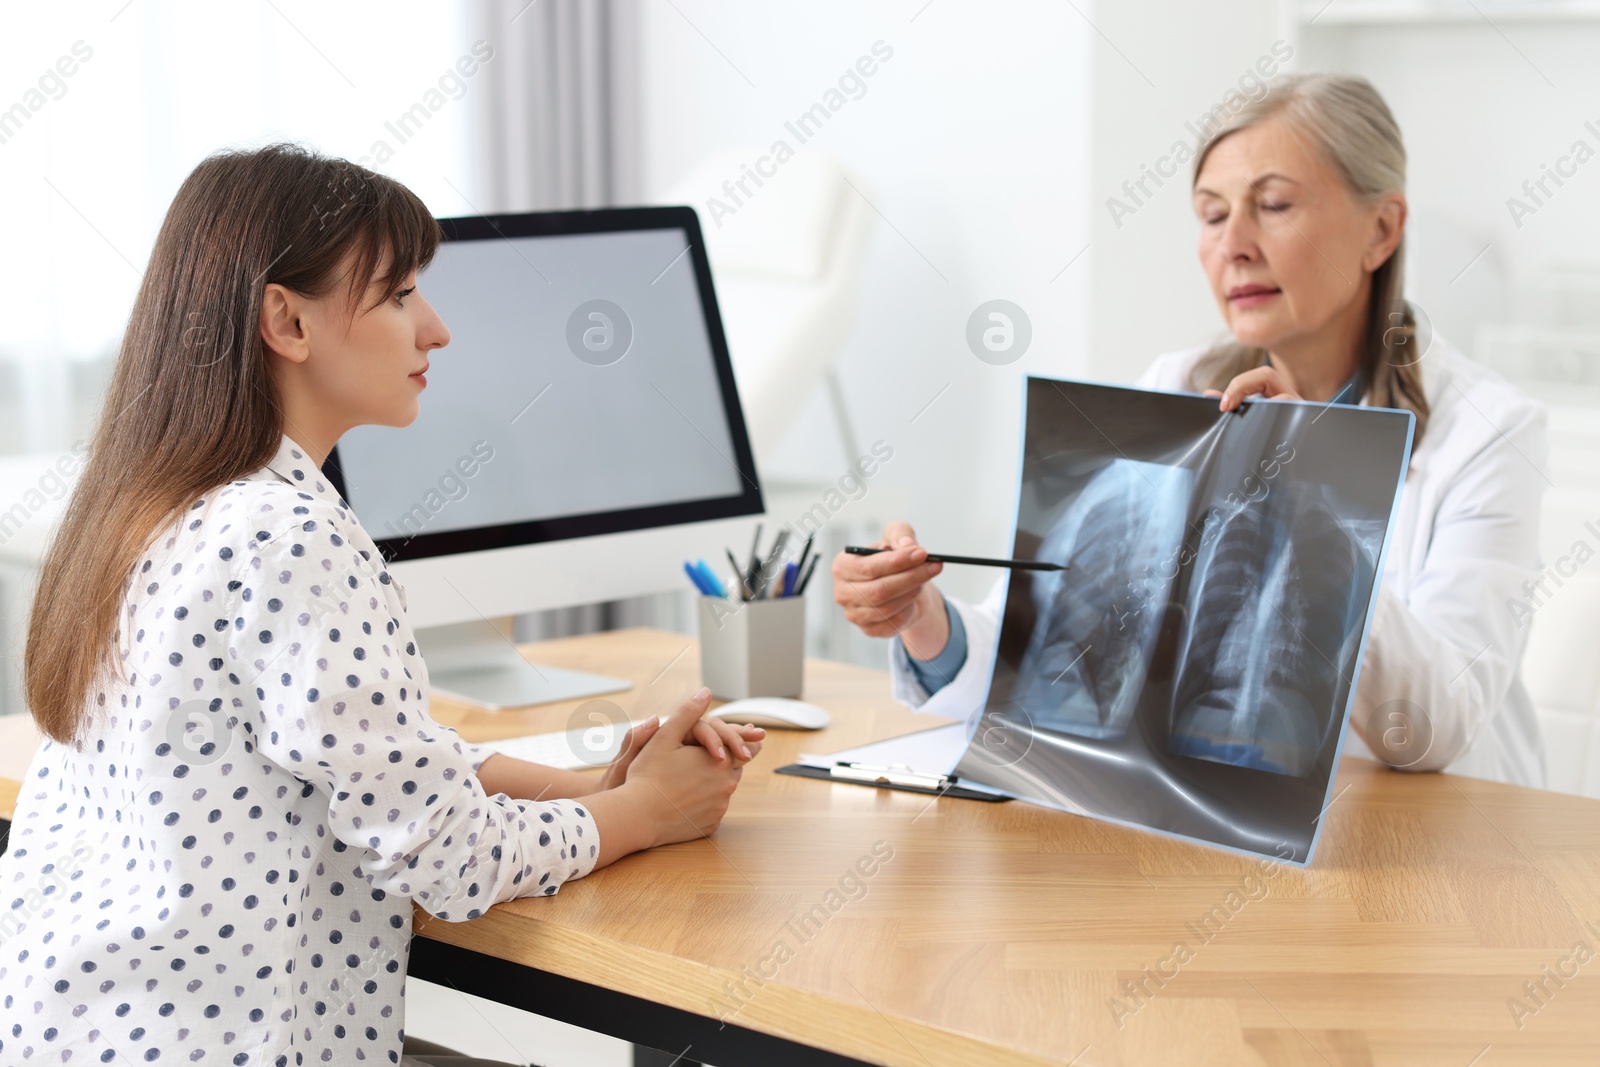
1446,921
1008,933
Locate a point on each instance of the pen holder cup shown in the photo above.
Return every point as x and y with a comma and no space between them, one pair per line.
752,649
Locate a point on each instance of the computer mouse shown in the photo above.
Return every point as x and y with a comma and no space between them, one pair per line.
773,713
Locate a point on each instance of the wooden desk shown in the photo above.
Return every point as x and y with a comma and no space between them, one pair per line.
1004,933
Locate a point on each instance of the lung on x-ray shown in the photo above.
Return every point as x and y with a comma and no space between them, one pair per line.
1192,669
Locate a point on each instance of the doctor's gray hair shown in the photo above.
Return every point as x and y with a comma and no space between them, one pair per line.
1347,123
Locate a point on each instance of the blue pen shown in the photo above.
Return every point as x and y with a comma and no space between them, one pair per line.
694,576
790,574
714,587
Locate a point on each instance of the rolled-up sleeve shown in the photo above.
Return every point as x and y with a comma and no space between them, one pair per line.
332,696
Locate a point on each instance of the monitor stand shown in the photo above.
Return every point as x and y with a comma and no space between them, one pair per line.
474,661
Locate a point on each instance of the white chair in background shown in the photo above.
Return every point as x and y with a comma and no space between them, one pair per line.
1562,664
1552,349
786,261
1562,669
787,266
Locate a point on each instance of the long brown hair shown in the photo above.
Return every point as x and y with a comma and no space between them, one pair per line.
191,405
1346,120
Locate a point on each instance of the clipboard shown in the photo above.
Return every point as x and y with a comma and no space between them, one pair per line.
918,762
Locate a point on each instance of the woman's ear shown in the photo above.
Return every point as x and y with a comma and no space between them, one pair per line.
1388,226
283,326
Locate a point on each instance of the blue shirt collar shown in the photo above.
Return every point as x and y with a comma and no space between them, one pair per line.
1351,391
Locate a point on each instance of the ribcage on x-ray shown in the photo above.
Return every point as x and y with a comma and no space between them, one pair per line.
1096,623
1270,607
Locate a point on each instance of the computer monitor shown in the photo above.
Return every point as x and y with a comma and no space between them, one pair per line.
579,438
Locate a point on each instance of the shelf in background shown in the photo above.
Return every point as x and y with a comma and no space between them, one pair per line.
1420,12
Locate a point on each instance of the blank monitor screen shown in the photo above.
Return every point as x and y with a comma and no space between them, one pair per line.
586,389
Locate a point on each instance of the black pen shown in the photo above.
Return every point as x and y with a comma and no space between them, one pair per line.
1014,564
744,590
755,561
800,583
804,552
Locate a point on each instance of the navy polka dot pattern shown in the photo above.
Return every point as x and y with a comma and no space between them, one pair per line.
224,870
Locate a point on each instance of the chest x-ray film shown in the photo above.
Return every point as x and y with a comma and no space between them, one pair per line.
1192,669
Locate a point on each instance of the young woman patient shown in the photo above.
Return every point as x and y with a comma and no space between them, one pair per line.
216,853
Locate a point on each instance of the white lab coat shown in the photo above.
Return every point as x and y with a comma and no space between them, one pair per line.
1444,637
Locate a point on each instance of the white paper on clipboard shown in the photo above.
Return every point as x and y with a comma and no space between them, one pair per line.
929,752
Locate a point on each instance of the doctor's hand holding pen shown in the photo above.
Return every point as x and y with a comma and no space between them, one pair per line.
887,588
892,592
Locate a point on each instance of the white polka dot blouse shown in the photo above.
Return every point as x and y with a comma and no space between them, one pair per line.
223,872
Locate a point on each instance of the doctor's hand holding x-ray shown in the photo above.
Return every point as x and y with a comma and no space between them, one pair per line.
1301,208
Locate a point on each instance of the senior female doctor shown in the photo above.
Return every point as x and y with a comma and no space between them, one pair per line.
1302,212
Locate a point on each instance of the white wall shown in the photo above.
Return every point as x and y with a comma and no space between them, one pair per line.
972,141
1158,66
91,162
